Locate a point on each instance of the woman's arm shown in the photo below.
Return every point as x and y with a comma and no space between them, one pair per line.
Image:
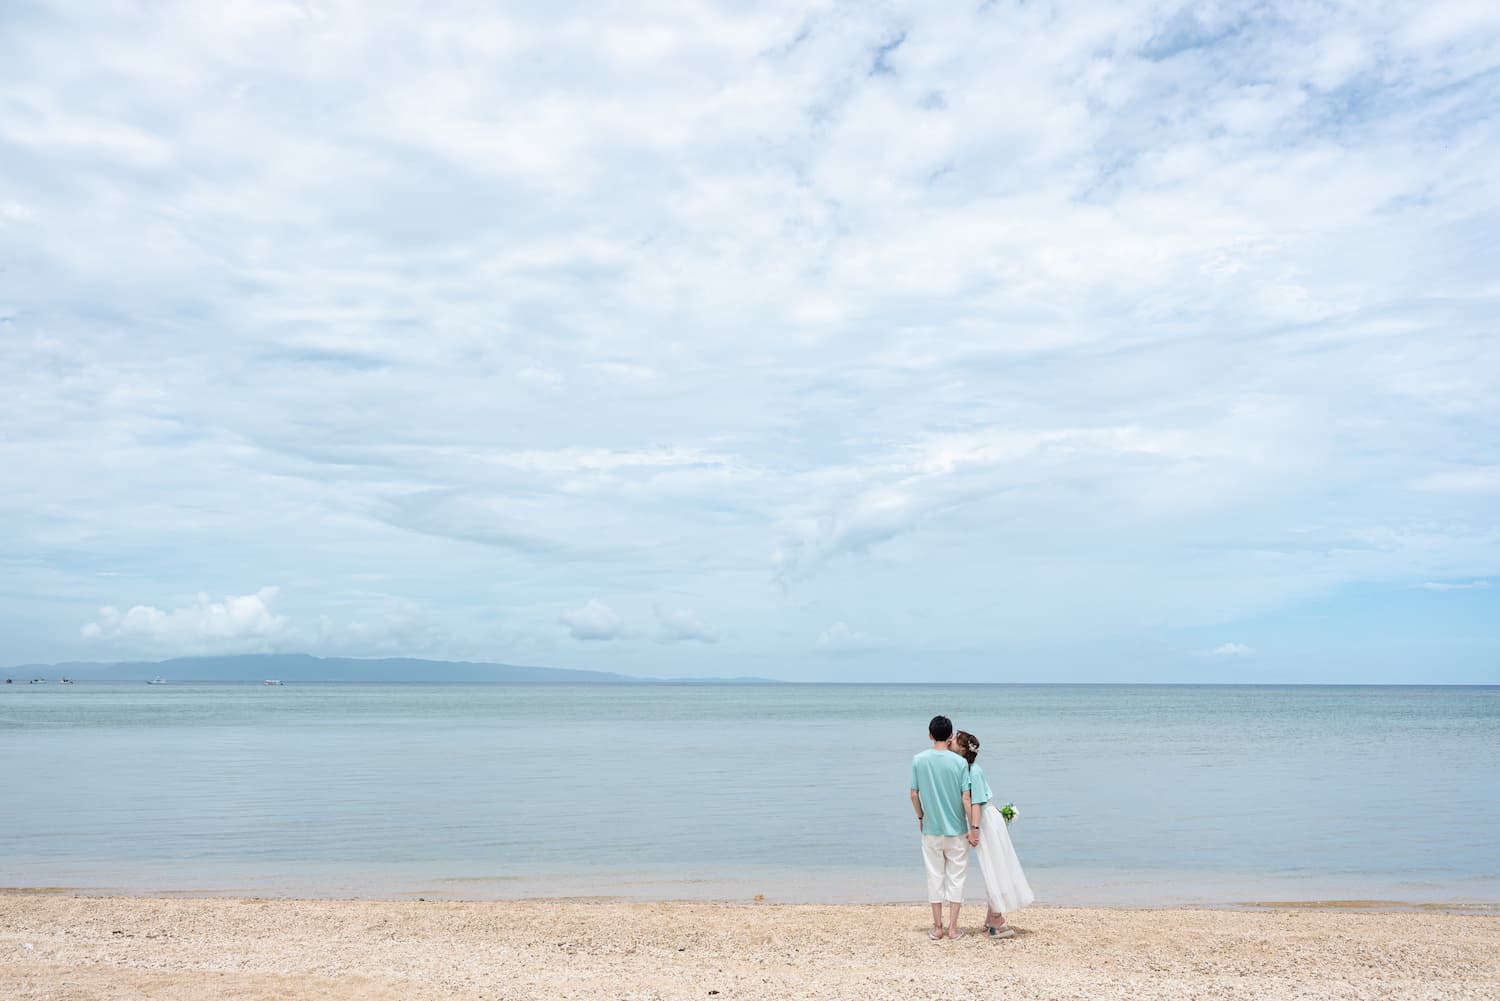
971,810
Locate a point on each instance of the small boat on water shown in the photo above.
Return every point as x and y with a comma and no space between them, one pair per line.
37,681
271,681
66,681
157,681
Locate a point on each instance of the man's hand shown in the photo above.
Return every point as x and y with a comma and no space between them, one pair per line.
973,838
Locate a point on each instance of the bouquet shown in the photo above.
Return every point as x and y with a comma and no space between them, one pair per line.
1009,812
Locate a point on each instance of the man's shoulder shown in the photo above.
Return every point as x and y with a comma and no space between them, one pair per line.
929,758
937,758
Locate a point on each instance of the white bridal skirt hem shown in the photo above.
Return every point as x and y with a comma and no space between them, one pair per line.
1005,884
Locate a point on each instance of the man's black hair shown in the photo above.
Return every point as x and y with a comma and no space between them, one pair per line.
941,728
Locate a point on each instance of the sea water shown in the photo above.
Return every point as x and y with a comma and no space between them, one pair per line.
1127,794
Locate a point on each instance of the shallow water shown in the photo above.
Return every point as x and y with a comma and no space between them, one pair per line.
1128,794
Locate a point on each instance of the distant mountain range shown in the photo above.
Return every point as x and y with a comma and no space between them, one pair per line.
295,667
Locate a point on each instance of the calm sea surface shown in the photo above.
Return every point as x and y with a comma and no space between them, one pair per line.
1127,794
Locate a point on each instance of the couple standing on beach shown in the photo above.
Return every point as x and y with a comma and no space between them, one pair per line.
954,808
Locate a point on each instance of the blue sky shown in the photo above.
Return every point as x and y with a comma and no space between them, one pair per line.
982,342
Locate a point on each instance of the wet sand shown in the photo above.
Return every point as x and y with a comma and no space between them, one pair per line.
64,948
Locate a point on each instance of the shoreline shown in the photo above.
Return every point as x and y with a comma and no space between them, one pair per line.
1357,904
59,945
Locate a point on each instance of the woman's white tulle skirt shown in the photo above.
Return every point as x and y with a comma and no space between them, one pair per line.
1004,883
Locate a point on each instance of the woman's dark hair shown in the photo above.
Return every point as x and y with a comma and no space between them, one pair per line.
968,745
941,728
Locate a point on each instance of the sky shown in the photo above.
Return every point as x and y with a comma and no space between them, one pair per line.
957,342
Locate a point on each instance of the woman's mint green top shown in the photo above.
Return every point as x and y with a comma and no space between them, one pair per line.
979,789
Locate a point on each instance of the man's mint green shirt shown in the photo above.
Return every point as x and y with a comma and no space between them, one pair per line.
938,777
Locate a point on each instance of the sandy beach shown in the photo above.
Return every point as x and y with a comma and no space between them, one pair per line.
62,947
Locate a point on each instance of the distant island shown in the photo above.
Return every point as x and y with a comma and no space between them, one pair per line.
301,667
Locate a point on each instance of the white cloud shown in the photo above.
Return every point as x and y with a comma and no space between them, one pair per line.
1231,650
381,625
679,625
1473,585
243,622
594,621
35,120
627,372
1479,480
840,639
539,375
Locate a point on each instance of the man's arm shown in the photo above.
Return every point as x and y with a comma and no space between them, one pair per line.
971,810
916,803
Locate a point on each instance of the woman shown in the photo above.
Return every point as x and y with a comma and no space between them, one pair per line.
1004,883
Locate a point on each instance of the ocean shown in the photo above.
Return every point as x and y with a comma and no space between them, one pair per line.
1144,795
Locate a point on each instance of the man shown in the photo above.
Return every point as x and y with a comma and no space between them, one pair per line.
937,794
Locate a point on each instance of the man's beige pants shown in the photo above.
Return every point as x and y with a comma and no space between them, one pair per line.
947,858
